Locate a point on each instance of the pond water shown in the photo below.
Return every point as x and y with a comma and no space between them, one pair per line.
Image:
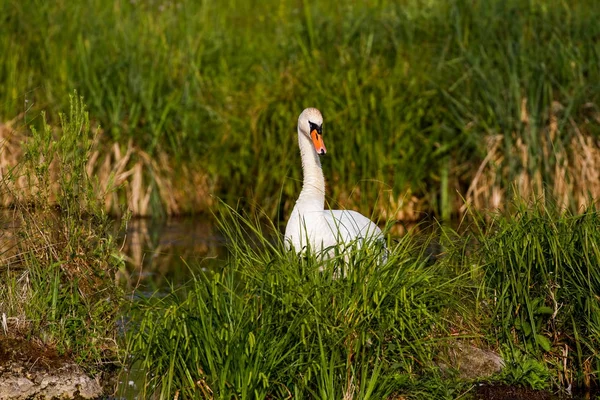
160,255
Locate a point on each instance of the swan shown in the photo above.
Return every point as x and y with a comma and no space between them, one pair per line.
310,225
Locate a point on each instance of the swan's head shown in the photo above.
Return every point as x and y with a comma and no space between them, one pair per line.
310,124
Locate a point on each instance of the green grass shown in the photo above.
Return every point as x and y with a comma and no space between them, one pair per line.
541,271
409,90
271,324
58,289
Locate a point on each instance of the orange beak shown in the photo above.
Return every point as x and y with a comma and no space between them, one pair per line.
318,142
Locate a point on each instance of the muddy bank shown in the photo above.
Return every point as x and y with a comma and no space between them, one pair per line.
506,392
29,371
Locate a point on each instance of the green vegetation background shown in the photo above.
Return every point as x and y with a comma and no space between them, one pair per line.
412,93
410,89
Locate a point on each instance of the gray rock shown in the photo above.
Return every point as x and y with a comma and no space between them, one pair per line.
28,371
471,362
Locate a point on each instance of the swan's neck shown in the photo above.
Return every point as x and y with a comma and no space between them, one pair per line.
312,196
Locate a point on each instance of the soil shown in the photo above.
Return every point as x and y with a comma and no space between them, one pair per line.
29,371
505,392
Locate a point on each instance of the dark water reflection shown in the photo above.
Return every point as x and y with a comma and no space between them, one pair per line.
163,253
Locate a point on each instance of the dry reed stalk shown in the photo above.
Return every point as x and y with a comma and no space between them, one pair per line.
14,183
573,182
350,388
186,191
17,320
586,168
207,392
127,176
404,207
194,190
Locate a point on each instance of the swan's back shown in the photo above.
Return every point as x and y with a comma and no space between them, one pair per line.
349,226
320,230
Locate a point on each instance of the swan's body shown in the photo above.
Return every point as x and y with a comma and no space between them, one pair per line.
310,225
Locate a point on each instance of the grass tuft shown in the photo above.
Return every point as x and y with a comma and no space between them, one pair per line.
59,286
272,324
540,270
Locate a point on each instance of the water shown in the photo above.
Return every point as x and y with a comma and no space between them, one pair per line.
161,255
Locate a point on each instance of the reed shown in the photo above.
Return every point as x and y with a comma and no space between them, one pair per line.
426,103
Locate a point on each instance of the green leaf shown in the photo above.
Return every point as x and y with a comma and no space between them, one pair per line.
543,342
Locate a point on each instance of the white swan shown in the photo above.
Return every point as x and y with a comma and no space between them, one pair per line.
310,225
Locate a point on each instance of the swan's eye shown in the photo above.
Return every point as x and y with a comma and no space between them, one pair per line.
317,127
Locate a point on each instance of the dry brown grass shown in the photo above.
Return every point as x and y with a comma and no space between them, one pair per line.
389,205
10,155
405,207
127,178
137,176
572,180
